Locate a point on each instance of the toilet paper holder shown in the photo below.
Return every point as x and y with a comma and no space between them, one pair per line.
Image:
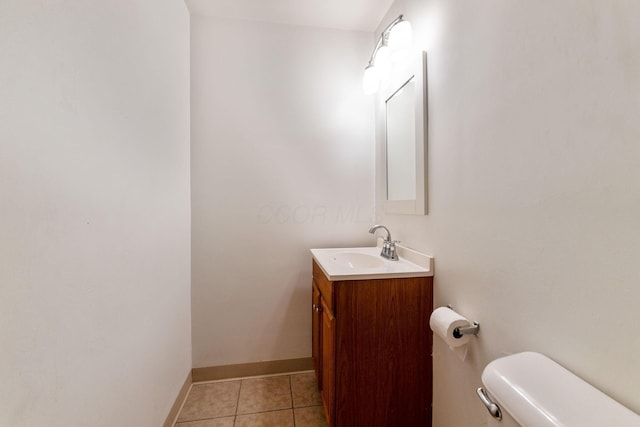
472,329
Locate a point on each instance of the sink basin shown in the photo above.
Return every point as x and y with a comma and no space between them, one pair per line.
366,263
357,260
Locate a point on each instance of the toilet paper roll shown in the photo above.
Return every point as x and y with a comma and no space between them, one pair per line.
443,322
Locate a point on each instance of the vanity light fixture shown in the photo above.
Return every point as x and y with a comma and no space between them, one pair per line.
392,46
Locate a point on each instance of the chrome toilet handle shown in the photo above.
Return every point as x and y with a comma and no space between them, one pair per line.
493,409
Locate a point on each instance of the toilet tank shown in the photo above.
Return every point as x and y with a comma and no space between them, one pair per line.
534,391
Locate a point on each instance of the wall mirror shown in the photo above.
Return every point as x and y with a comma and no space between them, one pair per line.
406,138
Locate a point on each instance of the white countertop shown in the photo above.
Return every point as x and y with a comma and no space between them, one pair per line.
366,263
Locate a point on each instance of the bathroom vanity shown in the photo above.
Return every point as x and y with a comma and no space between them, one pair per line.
371,337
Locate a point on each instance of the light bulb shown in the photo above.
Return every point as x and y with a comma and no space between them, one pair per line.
370,80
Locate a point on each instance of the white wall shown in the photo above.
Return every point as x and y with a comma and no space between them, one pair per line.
94,211
282,161
534,184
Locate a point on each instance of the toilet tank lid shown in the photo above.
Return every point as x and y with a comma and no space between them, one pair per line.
537,392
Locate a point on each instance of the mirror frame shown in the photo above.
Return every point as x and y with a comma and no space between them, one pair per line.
415,68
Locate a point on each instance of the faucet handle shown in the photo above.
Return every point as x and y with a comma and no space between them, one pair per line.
393,253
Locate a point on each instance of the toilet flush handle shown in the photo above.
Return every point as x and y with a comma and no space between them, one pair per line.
493,409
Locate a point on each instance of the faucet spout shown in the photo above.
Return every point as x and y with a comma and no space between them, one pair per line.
373,229
388,245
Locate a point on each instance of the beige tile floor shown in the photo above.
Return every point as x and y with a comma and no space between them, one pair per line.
290,400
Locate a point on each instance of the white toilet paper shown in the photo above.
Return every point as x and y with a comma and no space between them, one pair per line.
443,322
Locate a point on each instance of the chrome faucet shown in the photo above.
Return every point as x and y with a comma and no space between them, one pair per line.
388,245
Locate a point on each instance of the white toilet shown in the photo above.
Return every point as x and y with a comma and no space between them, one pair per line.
531,390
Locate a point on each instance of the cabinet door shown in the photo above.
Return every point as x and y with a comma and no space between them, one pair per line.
383,346
328,354
316,333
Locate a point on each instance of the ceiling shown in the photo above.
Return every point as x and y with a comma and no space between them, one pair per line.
355,15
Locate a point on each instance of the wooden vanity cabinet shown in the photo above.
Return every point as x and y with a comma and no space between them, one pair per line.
372,350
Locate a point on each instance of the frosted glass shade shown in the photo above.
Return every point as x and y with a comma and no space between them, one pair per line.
383,62
400,36
370,80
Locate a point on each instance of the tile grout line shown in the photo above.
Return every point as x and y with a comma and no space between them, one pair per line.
293,411
235,416
202,419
